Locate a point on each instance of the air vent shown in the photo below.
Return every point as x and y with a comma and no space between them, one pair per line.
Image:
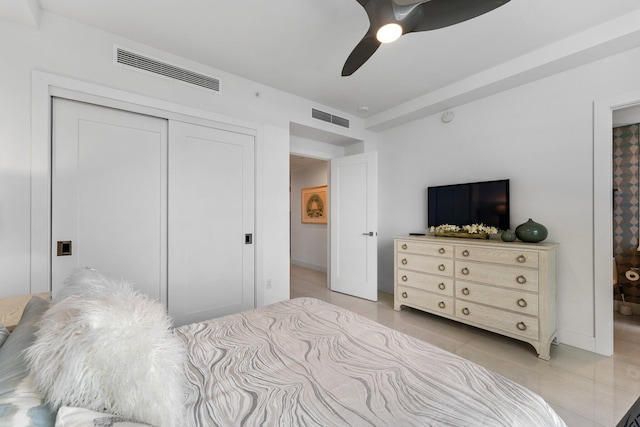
136,61
329,118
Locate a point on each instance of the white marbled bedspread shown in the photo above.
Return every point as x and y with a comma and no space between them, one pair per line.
307,362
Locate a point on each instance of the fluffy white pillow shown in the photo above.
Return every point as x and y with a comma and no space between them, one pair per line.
90,283
115,354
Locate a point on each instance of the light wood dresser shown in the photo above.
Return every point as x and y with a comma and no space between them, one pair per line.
507,288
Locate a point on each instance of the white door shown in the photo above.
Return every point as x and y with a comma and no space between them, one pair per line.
211,222
354,225
109,195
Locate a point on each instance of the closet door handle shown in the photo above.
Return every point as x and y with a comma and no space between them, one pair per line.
64,248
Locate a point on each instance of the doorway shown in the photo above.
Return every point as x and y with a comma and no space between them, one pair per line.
308,240
626,216
602,217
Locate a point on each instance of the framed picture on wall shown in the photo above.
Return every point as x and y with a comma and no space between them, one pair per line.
314,205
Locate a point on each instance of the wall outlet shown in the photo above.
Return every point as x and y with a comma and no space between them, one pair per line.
268,283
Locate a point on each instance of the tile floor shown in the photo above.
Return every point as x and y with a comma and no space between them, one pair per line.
584,388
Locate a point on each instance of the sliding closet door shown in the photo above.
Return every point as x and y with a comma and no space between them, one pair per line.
211,222
109,195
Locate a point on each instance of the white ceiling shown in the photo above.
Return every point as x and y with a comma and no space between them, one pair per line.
299,46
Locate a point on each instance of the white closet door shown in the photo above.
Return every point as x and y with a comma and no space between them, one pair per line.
109,194
211,222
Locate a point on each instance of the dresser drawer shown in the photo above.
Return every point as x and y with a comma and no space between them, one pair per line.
425,248
426,264
438,284
425,300
497,255
521,302
512,277
513,323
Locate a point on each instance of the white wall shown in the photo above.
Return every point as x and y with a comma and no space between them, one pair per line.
541,137
308,241
65,48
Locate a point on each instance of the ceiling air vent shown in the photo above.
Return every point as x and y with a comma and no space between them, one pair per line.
329,118
136,61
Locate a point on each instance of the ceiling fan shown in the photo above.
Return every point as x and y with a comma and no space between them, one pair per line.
389,20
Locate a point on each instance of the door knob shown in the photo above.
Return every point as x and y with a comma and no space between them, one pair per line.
370,233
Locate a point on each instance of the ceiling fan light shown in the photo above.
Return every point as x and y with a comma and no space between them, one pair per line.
389,33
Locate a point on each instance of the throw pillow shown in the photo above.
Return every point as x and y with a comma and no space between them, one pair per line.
4,334
90,283
115,354
20,402
81,417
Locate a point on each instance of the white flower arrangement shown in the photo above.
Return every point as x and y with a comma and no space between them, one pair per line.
470,229
445,228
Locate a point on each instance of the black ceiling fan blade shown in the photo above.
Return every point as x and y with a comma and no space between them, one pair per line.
435,14
421,15
362,52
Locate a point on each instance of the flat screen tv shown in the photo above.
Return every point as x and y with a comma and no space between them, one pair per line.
472,203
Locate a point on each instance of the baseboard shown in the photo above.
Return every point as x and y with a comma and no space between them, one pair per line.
576,340
585,342
309,266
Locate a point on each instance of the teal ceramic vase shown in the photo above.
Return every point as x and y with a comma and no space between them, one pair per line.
531,232
508,236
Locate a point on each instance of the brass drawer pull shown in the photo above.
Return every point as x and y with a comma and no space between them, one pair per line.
465,253
465,271
521,326
404,261
404,246
521,258
441,304
465,311
441,250
441,267
404,295
405,278
441,286
521,279
465,291
522,303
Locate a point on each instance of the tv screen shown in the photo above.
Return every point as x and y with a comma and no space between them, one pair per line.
473,203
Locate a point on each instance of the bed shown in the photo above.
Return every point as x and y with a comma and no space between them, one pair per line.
297,362
307,362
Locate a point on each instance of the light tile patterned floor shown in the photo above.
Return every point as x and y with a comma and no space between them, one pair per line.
585,389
